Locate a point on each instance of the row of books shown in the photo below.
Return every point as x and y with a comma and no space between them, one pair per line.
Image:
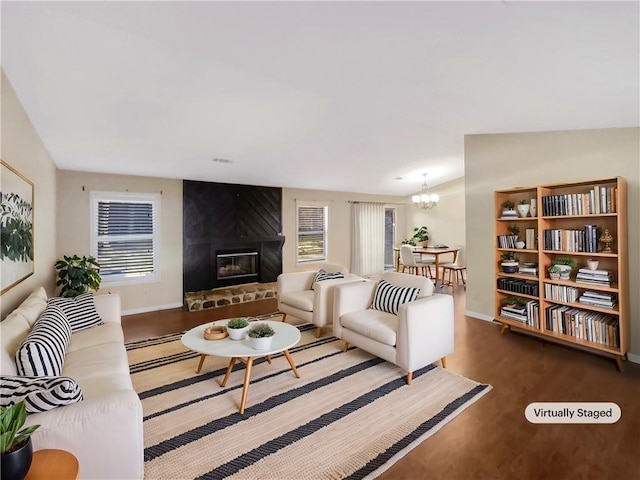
583,240
595,277
561,293
596,201
599,299
591,326
528,314
518,286
507,241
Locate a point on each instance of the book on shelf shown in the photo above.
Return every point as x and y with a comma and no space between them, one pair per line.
604,278
598,299
530,239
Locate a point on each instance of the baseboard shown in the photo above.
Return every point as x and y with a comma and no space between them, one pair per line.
481,316
633,358
154,308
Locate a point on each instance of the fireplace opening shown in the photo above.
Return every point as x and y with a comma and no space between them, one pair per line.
234,265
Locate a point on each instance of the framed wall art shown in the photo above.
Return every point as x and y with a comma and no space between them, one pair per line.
16,227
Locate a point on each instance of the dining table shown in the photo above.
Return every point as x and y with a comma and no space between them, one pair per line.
437,251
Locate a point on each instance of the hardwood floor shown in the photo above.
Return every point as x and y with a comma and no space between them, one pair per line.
492,439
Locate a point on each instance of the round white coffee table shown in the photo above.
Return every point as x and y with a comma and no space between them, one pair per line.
240,351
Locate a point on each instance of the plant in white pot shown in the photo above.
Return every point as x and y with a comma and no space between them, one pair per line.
554,272
523,208
260,336
566,265
508,209
509,262
420,236
15,442
237,328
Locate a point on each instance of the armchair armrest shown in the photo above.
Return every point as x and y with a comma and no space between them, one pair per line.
295,281
323,298
425,331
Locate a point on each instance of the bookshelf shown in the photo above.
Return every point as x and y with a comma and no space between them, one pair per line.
590,308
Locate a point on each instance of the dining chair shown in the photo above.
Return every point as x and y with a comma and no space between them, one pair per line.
414,265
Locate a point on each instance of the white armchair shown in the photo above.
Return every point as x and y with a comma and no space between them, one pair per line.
421,333
297,295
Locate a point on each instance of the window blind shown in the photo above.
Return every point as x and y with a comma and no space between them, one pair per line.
312,233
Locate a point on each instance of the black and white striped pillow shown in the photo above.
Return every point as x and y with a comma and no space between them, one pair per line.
388,297
81,311
323,275
41,353
39,393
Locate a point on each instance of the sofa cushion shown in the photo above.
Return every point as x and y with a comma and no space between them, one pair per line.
80,310
302,300
373,324
42,353
388,297
108,332
323,275
39,393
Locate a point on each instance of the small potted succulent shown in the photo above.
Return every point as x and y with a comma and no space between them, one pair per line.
554,272
16,449
566,265
260,336
237,328
508,209
509,262
523,208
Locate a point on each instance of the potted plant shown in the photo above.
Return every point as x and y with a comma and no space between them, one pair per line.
237,328
513,301
260,336
509,262
77,275
554,272
565,265
15,442
508,209
523,208
420,236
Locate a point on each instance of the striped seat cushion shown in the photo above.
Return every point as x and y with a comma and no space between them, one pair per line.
81,311
388,297
42,352
39,393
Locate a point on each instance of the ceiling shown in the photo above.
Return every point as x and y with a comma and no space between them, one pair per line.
345,96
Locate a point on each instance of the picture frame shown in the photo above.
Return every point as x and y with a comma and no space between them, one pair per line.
16,227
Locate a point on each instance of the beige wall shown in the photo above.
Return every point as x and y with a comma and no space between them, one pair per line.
502,161
23,150
74,236
446,222
339,228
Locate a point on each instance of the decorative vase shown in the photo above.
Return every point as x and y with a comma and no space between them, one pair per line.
520,244
260,343
16,464
509,267
237,333
592,264
533,207
523,210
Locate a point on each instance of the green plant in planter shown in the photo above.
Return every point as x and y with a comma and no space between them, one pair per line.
523,202
513,229
260,330
421,234
77,275
237,323
509,257
565,261
513,300
409,241
554,269
507,205
12,419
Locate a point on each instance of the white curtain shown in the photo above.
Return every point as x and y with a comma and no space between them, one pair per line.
367,238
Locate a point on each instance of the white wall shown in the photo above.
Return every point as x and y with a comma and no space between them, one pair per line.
22,149
502,161
73,214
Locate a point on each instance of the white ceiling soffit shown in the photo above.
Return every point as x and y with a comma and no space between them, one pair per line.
323,95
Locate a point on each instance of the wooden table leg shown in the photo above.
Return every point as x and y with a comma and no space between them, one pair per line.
245,388
293,365
232,362
202,357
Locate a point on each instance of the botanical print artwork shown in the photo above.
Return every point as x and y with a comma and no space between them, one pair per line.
16,228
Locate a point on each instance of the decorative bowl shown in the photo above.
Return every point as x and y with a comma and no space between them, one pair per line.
216,332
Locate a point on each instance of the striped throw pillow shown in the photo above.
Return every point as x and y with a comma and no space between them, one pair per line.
39,393
323,275
81,311
41,353
388,297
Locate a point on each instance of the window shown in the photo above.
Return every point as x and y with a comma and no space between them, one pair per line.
124,236
312,233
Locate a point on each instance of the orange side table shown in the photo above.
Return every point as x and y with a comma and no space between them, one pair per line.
50,464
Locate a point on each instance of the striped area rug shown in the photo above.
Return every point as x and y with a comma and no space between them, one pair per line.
350,415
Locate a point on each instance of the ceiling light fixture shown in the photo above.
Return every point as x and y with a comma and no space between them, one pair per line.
425,200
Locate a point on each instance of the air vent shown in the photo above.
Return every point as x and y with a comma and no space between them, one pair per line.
221,160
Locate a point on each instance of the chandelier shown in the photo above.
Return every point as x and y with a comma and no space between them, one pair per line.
425,200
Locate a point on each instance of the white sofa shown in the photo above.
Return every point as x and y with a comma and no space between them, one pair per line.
299,297
104,430
421,333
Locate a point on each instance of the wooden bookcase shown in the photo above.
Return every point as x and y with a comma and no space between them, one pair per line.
563,227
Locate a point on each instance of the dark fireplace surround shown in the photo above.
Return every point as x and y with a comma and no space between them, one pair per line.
232,234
